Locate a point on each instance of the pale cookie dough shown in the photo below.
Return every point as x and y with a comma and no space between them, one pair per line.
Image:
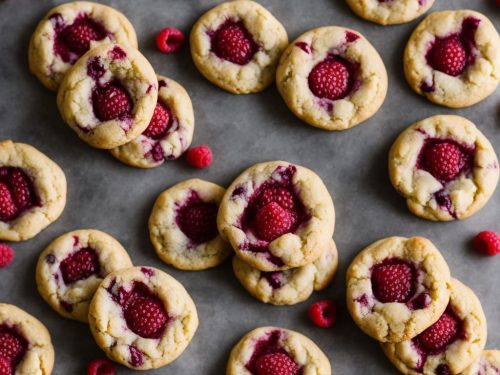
35,355
183,226
139,293
45,182
389,12
266,39
481,44
291,286
310,212
151,150
52,49
263,341
426,195
424,302
367,78
488,364
411,358
71,268
102,69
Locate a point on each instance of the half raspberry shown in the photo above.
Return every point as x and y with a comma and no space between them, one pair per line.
330,79
12,345
393,281
273,221
232,42
276,364
160,122
78,36
437,337
445,160
6,255
80,265
449,56
111,102
198,221
17,193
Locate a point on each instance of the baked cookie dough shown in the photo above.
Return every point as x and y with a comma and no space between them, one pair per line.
237,46
277,216
397,287
32,191
444,167
108,97
488,364
449,346
332,78
388,12
183,226
258,349
453,58
25,343
142,318
68,31
290,286
169,132
71,268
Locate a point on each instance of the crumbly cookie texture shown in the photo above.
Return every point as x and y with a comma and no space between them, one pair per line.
106,66
267,34
463,349
72,298
367,78
49,56
487,364
266,340
390,12
49,184
297,248
114,334
429,197
398,321
37,349
480,77
148,152
172,244
291,286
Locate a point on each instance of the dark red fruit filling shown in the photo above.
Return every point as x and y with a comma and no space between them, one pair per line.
393,280
136,356
160,122
232,42
13,347
273,278
17,193
332,78
80,265
5,367
443,370
198,219
102,366
111,102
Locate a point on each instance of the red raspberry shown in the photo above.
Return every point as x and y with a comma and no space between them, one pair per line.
80,265
169,40
6,255
487,242
7,206
146,317
111,102
101,366
329,79
160,122
444,160
272,221
279,195
440,334
21,193
199,221
78,37
199,156
11,346
5,366
276,364
322,313
232,42
393,282
449,56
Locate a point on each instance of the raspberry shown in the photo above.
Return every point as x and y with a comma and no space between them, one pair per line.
80,266
12,346
276,364
146,317
5,366
199,156
322,313
272,221
449,56
78,37
440,334
232,42
111,102
487,242
279,195
393,282
169,40
7,207
199,221
444,160
160,122
6,255
101,366
20,186
329,79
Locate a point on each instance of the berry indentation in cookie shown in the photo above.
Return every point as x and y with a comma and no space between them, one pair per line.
304,47
117,53
136,356
274,278
333,78
232,42
13,346
111,102
198,219
394,280
17,193
443,370
160,123
80,265
95,68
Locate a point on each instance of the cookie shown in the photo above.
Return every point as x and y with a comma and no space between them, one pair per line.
332,78
32,191
70,30
290,286
487,364
277,216
237,46
390,12
183,226
108,97
71,268
142,318
444,167
397,287
169,132
451,344
25,344
266,349
453,58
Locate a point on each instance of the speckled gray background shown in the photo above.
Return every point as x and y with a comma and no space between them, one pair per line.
242,130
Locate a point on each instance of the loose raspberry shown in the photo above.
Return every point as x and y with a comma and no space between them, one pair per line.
101,366
21,193
12,347
440,334
449,56
329,79
199,156
6,255
272,221
80,265
444,160
169,40
199,221
322,313
393,282
279,195
487,242
276,364
160,122
7,206
111,102
232,42
5,366
78,37
146,317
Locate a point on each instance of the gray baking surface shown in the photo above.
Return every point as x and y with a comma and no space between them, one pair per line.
242,130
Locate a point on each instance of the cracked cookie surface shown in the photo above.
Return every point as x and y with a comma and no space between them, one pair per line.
390,12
